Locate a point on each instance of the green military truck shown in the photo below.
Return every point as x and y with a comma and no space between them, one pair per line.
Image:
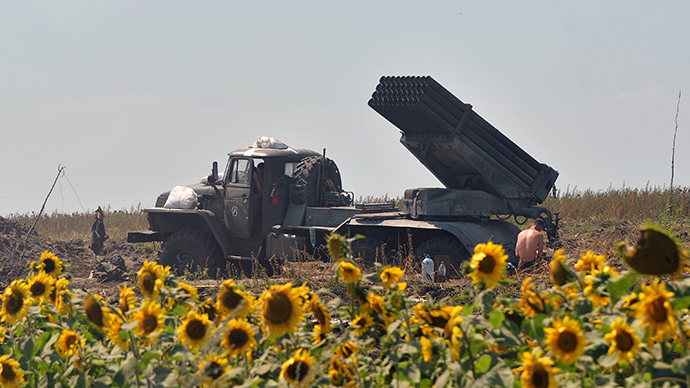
274,202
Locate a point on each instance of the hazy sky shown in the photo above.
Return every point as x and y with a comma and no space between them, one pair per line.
136,97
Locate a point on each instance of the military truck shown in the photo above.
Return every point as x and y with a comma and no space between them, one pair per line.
274,202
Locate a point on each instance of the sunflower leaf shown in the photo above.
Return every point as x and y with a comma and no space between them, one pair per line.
621,286
682,365
482,364
496,318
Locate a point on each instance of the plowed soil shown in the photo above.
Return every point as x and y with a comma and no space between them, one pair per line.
18,248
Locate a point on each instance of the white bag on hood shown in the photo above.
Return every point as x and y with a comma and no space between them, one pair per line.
181,197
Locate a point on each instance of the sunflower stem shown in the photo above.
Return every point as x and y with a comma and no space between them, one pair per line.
469,353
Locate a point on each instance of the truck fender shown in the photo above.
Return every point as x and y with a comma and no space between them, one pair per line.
170,220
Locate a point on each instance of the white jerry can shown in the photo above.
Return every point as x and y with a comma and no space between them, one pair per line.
441,272
428,269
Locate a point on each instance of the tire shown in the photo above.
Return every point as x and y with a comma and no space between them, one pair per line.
190,250
307,175
367,249
445,249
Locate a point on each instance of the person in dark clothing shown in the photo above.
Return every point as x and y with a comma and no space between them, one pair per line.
98,235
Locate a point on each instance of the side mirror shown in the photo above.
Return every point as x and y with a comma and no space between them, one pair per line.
213,178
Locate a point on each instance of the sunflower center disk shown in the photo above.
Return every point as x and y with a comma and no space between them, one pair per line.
214,370
657,310
237,338
148,282
279,309
567,341
540,378
297,371
196,330
7,373
231,300
38,289
624,341
14,304
487,264
71,342
49,266
150,323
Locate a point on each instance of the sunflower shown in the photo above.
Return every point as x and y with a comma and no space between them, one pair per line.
321,313
361,323
59,296
349,272
211,369
14,300
630,305
317,335
128,299
41,286
238,338
281,309
190,290
68,343
559,274
590,260
436,316
565,339
397,300
537,371
390,276
233,301
655,310
624,341
209,308
454,320
488,264
150,320
340,373
299,370
596,277
377,309
3,334
10,375
304,293
151,278
113,333
50,264
655,253
337,246
194,330
531,303
427,349
96,312
346,350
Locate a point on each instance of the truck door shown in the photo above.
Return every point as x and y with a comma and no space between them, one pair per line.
238,199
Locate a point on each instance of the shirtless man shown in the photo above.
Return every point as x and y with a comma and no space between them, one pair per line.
530,244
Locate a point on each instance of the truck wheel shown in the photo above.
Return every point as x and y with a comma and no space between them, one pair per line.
190,250
307,174
368,249
445,249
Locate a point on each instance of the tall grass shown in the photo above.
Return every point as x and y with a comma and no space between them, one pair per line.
648,204
77,226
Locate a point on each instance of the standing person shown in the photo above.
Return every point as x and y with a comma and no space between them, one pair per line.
98,235
530,244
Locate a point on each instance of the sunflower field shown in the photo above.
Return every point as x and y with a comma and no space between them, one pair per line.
594,326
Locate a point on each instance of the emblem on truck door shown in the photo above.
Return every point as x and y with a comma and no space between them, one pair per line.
234,211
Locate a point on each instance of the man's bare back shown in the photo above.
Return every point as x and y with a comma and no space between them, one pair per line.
530,243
